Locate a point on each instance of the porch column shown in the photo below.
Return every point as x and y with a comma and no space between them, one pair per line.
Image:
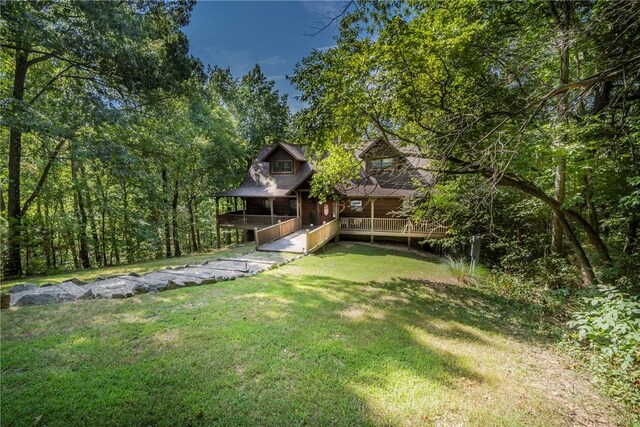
217,223
271,199
298,204
235,209
373,202
244,209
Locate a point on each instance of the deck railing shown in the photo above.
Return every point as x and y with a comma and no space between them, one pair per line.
393,225
321,235
238,219
276,231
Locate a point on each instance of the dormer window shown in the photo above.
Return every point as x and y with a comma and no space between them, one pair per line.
281,166
381,164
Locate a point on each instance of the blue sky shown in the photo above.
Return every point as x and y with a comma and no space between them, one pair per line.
239,34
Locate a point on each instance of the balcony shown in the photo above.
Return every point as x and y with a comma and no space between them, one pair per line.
402,227
239,220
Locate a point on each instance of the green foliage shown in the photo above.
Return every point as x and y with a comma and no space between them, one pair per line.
607,327
334,167
261,113
464,272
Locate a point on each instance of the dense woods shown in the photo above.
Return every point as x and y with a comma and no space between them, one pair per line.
117,137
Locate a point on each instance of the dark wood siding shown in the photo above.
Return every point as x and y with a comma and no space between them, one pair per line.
280,154
383,208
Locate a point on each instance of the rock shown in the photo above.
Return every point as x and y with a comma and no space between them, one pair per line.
76,281
79,292
22,287
46,285
119,287
41,296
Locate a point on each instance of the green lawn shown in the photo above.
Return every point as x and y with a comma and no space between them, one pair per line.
355,336
88,275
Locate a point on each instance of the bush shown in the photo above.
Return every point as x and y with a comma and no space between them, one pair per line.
608,328
464,272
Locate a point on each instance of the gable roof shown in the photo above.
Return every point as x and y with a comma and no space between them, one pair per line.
258,182
402,148
295,151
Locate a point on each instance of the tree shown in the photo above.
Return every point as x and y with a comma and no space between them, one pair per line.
115,48
473,84
261,113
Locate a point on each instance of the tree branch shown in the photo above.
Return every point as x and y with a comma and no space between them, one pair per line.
43,177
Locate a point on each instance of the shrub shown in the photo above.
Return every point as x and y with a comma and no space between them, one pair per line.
608,328
464,272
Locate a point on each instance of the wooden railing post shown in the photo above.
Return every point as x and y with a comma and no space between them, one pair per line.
306,244
255,234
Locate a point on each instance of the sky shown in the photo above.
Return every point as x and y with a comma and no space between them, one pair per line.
274,34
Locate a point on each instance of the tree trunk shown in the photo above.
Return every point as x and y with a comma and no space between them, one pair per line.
563,20
165,213
81,213
115,252
70,238
49,235
13,263
174,211
44,235
92,220
125,224
192,225
103,213
195,214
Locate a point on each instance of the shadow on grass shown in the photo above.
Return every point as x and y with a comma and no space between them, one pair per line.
270,350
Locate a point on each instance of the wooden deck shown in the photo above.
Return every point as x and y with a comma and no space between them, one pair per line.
394,227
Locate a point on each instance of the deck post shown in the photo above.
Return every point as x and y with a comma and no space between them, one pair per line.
255,236
271,199
409,242
373,202
298,204
306,241
217,222
235,209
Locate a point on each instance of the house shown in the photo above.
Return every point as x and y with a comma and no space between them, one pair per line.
274,198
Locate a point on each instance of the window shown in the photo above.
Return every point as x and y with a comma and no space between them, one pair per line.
267,204
355,205
385,163
282,166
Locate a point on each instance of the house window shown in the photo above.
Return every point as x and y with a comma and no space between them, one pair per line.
267,204
282,166
381,164
355,205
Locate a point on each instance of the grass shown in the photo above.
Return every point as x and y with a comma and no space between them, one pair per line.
355,336
90,274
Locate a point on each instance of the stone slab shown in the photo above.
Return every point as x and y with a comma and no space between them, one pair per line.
117,287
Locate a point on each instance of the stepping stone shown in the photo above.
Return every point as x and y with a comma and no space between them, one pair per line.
48,295
80,292
23,287
118,287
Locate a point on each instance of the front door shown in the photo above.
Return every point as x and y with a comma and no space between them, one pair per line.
325,212
308,210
